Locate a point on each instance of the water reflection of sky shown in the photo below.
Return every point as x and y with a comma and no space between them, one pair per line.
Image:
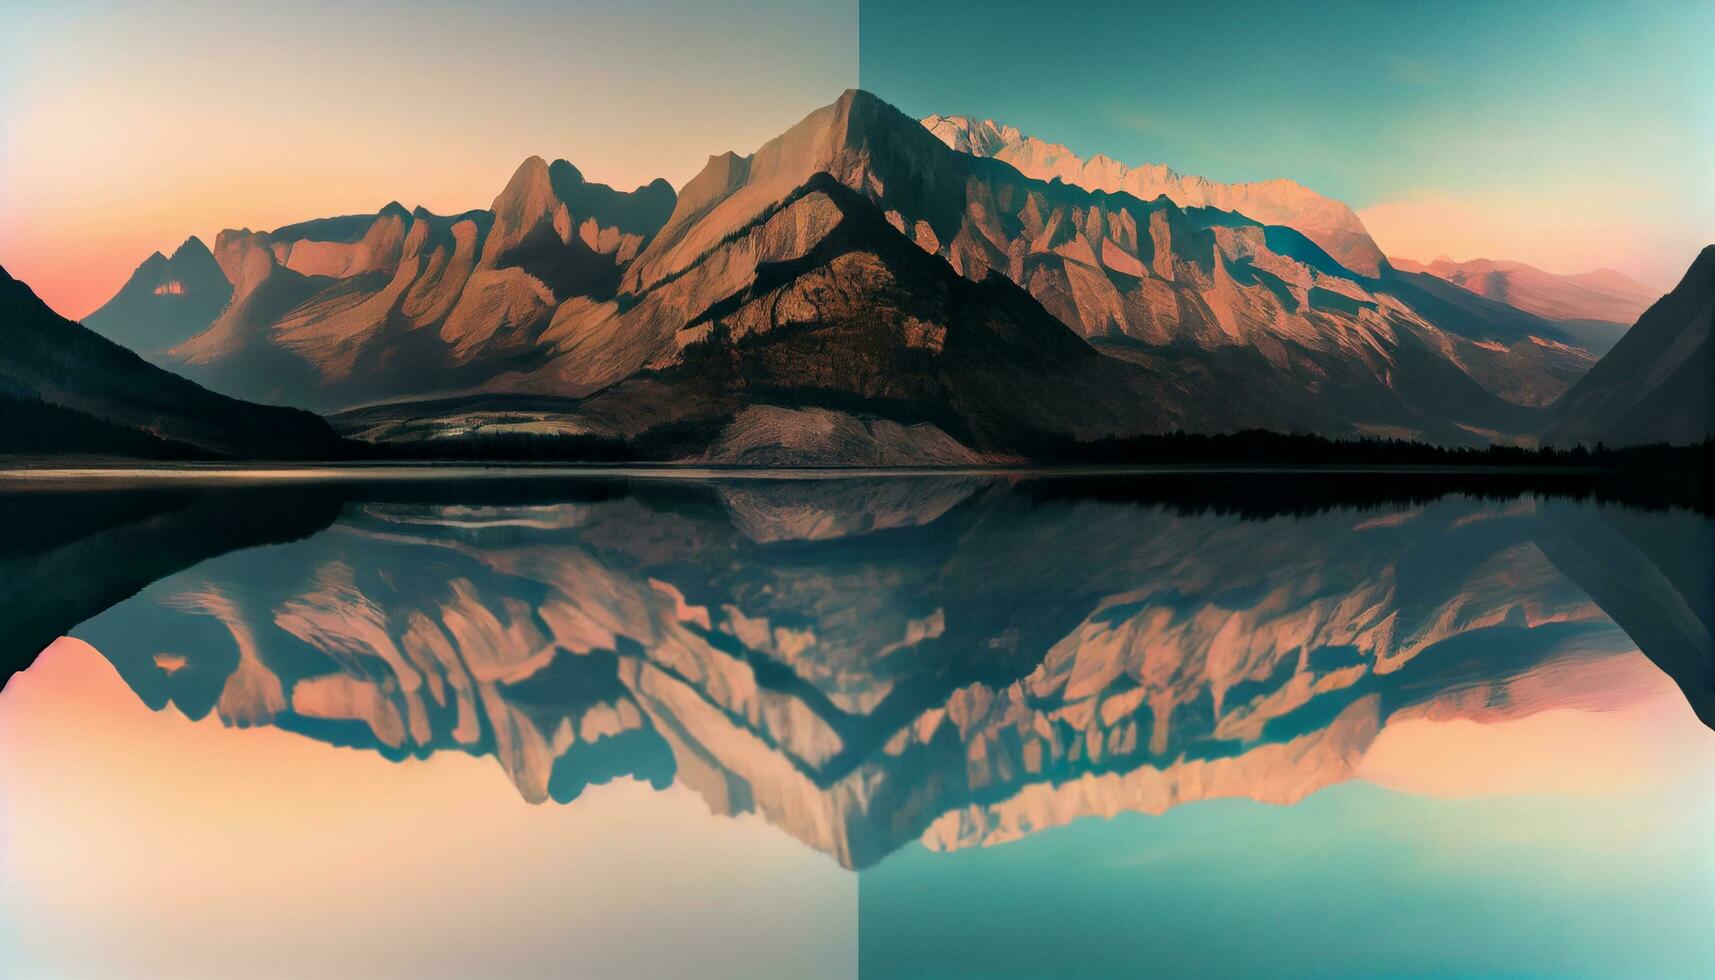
140,844
1606,869
899,728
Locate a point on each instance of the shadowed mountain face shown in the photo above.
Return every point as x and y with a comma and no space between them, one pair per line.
166,301
859,290
958,661
1654,386
64,389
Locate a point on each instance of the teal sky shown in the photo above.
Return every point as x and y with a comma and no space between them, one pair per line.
1570,135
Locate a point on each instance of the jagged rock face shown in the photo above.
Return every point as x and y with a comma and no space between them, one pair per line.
166,301
1210,300
1603,295
865,663
1327,222
824,306
328,248
341,311
1161,274
823,272
1654,386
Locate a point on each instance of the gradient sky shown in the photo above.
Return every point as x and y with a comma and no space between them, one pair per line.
1567,135
142,844
1570,136
126,127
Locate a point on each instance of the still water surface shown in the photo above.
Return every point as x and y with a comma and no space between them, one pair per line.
954,726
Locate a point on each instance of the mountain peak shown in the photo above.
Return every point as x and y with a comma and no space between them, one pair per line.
538,184
191,248
529,179
1329,223
978,137
394,209
567,170
1704,264
565,180
165,301
857,96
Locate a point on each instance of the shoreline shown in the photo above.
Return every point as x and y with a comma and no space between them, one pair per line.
410,470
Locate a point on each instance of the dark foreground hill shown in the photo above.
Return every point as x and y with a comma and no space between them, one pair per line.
64,389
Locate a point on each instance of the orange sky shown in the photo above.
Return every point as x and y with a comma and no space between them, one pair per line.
127,128
226,841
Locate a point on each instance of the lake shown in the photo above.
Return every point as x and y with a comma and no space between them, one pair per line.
638,724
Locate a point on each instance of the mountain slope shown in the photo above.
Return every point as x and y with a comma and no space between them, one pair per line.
69,390
1603,295
1325,221
819,304
166,301
1654,386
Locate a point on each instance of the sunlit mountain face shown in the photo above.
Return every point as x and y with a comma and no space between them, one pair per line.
894,673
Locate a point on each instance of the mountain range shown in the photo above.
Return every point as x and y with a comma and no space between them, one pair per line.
1330,224
866,287
1595,307
1600,297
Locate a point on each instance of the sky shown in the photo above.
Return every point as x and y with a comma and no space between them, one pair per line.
1570,136
127,127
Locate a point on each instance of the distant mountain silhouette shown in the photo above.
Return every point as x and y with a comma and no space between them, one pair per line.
64,389
166,301
1594,306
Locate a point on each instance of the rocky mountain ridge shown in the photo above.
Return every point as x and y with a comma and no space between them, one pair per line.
814,288
1330,224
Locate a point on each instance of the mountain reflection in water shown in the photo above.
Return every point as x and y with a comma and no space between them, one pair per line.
957,661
